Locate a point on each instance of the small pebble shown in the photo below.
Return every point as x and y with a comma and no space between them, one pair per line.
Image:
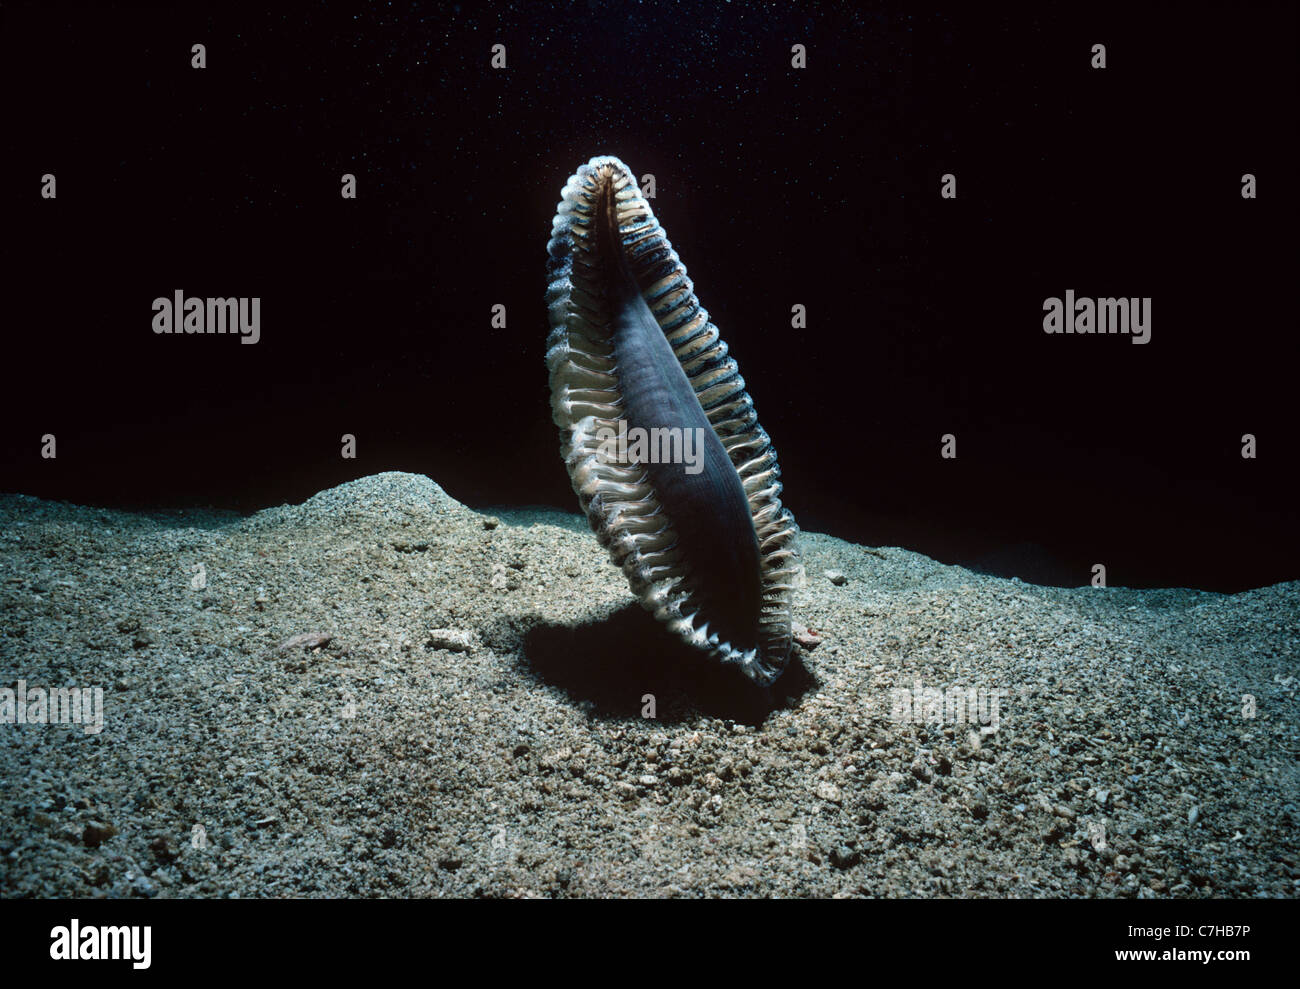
96,833
451,639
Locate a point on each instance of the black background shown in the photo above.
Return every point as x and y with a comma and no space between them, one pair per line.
777,186
340,939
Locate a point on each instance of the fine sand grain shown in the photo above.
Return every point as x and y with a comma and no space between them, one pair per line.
383,693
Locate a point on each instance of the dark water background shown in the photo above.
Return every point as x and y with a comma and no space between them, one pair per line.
777,187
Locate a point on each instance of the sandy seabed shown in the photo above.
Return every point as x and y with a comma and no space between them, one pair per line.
381,692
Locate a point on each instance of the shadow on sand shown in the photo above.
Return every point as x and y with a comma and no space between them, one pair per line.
614,661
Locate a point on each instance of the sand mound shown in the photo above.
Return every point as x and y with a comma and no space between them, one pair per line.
382,692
